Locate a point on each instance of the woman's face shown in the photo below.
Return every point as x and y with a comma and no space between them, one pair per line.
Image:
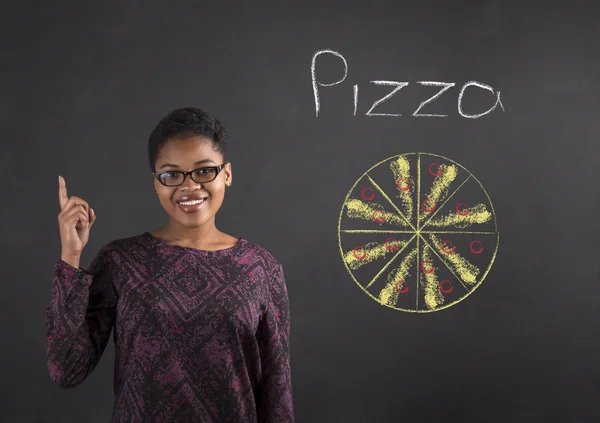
188,154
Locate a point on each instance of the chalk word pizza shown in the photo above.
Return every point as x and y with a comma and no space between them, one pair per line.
375,109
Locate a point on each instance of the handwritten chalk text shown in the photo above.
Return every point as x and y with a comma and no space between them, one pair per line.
397,86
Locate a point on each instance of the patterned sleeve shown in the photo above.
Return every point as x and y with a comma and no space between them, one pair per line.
275,403
79,319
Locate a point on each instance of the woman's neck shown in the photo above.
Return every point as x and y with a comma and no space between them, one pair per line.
176,233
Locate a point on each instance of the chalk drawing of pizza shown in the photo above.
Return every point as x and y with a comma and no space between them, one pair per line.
418,233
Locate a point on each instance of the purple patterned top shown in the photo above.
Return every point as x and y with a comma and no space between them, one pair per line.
200,336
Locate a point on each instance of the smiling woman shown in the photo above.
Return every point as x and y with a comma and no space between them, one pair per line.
202,317
188,157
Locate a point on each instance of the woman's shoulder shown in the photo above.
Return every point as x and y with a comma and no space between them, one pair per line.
258,254
122,245
257,248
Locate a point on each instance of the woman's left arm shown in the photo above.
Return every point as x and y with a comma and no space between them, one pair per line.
274,400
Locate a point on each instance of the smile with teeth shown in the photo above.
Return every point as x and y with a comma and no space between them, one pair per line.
192,203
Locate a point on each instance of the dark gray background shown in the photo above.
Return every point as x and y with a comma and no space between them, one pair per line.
84,83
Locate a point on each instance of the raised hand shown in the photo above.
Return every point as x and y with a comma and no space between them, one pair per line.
75,221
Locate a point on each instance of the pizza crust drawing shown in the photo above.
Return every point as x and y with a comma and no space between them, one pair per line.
417,232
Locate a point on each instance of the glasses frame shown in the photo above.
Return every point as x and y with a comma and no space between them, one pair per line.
217,169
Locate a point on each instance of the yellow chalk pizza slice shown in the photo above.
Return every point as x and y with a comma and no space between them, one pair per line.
398,177
438,286
467,209
469,256
439,178
368,255
396,285
369,207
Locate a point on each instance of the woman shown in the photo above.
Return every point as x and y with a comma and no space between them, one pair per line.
201,318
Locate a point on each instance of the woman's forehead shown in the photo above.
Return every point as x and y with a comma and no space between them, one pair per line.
189,151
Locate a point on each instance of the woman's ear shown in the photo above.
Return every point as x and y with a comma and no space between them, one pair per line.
154,182
228,175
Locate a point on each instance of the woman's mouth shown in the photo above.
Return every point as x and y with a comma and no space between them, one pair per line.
192,205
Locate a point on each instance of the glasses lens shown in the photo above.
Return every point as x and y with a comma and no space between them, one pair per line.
171,178
205,174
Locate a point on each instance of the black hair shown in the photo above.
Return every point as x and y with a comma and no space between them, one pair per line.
187,122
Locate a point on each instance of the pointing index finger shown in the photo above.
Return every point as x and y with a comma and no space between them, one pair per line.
62,192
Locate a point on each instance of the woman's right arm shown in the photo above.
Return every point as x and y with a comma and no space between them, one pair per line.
79,319
82,308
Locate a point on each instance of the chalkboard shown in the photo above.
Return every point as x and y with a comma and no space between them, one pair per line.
424,171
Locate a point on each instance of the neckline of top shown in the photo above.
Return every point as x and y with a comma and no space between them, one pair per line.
224,251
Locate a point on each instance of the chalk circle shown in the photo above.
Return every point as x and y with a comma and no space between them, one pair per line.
439,171
359,248
447,290
447,251
387,247
378,220
476,251
464,212
406,184
428,209
403,290
417,235
362,193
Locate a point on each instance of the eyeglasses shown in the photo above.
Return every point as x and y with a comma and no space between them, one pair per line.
202,175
